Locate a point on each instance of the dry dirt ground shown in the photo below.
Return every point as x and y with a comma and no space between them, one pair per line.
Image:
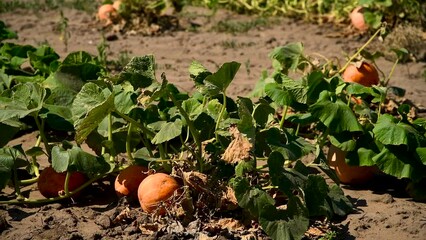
383,210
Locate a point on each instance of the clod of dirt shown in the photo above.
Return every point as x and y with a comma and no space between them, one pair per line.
385,198
103,221
3,223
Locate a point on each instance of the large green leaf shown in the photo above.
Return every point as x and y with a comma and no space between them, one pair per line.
421,152
6,166
316,191
289,146
262,112
140,72
75,159
198,73
340,204
124,100
246,124
22,100
287,180
285,224
6,33
168,131
396,161
192,107
279,94
250,198
91,105
44,59
219,81
289,56
337,116
390,131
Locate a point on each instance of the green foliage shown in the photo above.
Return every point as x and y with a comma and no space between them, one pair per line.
151,121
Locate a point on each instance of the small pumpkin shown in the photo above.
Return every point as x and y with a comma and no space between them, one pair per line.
107,13
357,19
50,182
128,180
155,191
349,174
365,74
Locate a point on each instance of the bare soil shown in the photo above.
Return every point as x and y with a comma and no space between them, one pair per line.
384,211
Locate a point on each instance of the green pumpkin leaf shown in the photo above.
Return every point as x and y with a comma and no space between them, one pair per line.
279,94
316,191
280,224
140,72
337,116
22,100
390,131
168,131
250,198
393,160
91,105
340,204
262,112
219,81
6,165
421,152
290,56
75,159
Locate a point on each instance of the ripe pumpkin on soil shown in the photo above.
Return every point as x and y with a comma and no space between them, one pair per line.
155,190
117,5
107,12
50,182
357,19
127,181
366,74
347,174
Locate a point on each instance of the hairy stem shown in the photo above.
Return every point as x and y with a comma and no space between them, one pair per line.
219,118
128,143
40,126
360,50
193,130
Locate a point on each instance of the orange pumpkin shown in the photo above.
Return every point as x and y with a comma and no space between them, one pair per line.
128,180
357,19
50,182
107,12
349,174
155,191
366,74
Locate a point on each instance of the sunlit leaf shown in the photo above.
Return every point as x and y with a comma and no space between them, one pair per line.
91,105
140,72
6,166
22,100
289,56
219,81
279,94
389,130
168,131
335,115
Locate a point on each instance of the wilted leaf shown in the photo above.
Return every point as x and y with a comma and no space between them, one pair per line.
239,149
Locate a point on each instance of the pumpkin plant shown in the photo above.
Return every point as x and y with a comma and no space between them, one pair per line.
268,151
